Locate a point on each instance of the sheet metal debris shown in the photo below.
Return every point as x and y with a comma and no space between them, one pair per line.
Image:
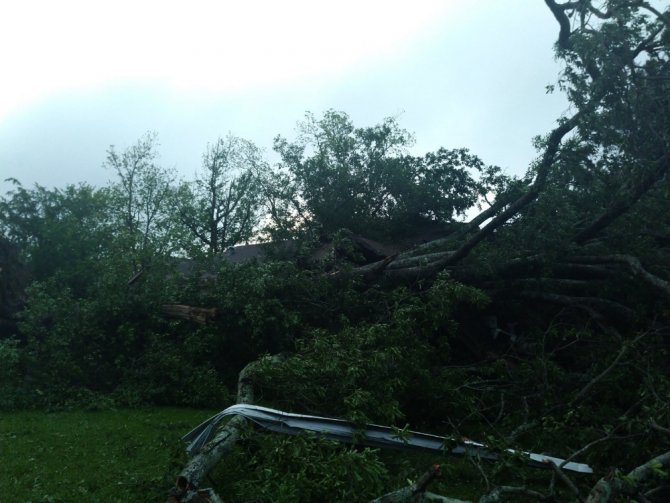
371,435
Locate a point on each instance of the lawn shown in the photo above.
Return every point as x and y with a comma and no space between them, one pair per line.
102,456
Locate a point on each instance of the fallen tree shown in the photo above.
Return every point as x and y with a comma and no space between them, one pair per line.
211,441
581,239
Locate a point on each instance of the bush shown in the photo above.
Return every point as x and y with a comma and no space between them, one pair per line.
278,469
10,374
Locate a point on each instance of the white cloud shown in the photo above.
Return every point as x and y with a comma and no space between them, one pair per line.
460,73
51,47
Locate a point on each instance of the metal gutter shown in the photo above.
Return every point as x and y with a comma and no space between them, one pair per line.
371,435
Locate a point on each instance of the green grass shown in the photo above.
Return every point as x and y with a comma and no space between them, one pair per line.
103,456
134,455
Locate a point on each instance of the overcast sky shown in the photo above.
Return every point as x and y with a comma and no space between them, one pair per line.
78,76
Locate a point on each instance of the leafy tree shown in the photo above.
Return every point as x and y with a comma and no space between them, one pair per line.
363,179
221,207
58,230
142,199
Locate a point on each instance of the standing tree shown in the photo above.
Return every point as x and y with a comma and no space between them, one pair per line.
56,230
364,180
142,198
221,207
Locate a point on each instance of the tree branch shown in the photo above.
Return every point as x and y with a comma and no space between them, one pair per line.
566,480
635,266
214,450
618,208
547,160
593,305
631,484
416,493
497,493
558,10
585,390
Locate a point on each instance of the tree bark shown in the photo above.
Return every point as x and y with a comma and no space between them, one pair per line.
631,484
635,266
621,206
202,315
222,443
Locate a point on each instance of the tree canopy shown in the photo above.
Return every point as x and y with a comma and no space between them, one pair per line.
221,207
364,180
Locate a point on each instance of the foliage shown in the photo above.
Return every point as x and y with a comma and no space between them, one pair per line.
615,75
10,375
295,469
363,179
169,371
361,371
110,339
220,207
58,230
141,200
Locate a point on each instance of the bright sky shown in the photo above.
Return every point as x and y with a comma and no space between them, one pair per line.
78,76
216,46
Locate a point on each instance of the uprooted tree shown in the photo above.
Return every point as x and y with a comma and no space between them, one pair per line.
573,260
